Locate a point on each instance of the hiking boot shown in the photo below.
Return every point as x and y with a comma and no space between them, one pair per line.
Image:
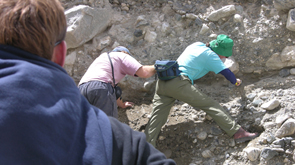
242,136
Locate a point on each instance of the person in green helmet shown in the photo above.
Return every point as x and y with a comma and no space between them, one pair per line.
195,62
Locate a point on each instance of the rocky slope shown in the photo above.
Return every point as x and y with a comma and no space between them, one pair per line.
264,58
191,137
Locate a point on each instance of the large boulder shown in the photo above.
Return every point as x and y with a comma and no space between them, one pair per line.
84,23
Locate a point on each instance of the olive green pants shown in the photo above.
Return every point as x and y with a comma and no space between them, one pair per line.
180,88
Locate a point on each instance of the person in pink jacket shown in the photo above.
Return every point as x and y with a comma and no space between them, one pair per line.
97,83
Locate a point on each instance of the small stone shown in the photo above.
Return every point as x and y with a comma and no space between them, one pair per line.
195,141
168,153
202,135
162,138
252,153
268,153
272,104
207,154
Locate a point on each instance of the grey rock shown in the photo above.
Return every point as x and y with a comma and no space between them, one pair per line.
291,22
288,140
215,131
198,22
202,135
150,36
270,105
252,153
207,154
279,150
251,96
268,153
204,29
282,118
292,71
257,102
284,72
82,26
279,142
70,61
284,4
137,32
270,138
222,12
288,128
168,153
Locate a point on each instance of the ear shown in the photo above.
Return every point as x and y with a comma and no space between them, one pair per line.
59,53
221,57
125,52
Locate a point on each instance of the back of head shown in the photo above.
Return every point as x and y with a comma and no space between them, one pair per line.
32,25
121,49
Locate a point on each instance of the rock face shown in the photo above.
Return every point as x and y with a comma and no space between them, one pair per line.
263,57
262,31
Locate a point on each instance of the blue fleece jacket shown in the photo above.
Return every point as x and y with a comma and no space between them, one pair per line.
43,117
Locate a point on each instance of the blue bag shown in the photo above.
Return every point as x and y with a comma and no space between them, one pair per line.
167,69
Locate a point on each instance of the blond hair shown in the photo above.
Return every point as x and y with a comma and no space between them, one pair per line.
32,25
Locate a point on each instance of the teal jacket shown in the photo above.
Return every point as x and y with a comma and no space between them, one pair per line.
197,60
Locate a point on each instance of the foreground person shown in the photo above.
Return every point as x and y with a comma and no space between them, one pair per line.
43,117
195,62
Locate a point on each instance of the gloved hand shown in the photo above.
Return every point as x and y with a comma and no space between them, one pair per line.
239,82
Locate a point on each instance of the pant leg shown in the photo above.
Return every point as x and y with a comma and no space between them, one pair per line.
193,96
161,110
162,103
101,95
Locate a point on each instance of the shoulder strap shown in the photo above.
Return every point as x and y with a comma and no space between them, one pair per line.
112,69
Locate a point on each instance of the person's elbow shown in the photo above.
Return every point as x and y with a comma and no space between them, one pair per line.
146,71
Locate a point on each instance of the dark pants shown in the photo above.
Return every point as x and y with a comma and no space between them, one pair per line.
101,95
